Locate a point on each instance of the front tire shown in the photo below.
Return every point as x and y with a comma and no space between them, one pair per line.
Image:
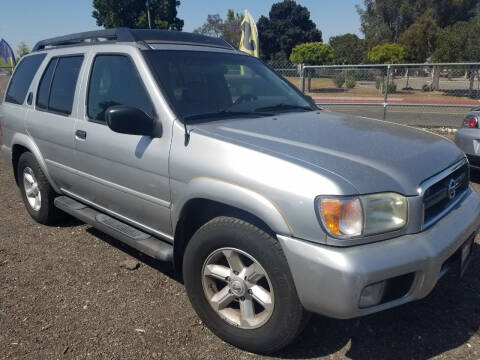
239,283
37,194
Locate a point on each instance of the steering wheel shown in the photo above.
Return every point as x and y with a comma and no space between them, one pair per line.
243,99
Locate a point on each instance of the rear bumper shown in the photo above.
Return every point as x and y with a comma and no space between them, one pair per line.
329,280
468,140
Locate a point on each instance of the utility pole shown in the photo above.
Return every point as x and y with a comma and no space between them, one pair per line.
148,14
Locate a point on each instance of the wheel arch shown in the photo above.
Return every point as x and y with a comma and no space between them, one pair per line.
22,143
209,198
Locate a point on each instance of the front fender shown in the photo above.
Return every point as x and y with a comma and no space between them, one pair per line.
28,143
233,195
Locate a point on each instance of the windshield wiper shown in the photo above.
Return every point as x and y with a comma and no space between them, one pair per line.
225,114
283,106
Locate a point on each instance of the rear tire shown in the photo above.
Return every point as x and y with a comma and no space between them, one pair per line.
209,265
37,194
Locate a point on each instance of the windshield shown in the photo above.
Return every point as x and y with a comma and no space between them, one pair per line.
203,85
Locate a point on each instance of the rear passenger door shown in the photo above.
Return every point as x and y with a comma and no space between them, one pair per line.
52,119
123,175
16,105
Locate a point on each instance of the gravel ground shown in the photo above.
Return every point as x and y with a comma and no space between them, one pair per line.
66,292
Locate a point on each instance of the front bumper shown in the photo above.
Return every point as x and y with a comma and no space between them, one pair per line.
329,280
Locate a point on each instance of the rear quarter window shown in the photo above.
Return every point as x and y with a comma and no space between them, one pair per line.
57,86
22,77
64,83
43,92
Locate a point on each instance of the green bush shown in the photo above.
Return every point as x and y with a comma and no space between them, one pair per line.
350,82
392,88
379,81
352,74
314,53
380,85
339,80
426,87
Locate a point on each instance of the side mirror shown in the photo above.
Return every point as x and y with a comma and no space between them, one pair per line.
311,101
129,120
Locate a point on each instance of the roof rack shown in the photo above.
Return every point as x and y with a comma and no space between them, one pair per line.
120,35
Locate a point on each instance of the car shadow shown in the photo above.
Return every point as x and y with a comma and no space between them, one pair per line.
327,90
67,222
473,94
163,267
446,319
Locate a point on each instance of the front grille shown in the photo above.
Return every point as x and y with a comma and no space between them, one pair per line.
439,197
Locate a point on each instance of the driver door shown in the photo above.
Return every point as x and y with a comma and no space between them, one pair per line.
123,175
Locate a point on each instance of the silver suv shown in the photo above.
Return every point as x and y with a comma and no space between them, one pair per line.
193,152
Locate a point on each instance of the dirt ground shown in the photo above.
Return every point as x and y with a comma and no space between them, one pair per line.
64,295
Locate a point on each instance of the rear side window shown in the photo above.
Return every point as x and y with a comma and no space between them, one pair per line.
64,82
43,92
115,81
57,87
26,70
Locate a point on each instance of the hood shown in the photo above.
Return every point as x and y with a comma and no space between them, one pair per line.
373,155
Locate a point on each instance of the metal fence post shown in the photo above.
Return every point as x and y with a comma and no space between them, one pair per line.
309,87
302,77
385,99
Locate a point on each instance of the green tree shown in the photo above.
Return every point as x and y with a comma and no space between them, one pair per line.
133,14
384,21
348,49
420,39
314,53
386,54
448,12
459,42
22,50
288,25
232,27
212,27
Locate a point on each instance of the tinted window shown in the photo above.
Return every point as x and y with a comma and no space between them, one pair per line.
114,81
44,87
26,69
64,82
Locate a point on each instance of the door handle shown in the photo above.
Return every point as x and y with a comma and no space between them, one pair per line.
81,134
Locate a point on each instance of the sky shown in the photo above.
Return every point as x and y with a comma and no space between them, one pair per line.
33,20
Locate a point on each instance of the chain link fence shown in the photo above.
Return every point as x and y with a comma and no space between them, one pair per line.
287,69
430,95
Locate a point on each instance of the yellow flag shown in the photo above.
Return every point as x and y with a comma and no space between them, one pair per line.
249,41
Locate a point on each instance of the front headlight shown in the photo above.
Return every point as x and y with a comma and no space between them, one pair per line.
348,217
